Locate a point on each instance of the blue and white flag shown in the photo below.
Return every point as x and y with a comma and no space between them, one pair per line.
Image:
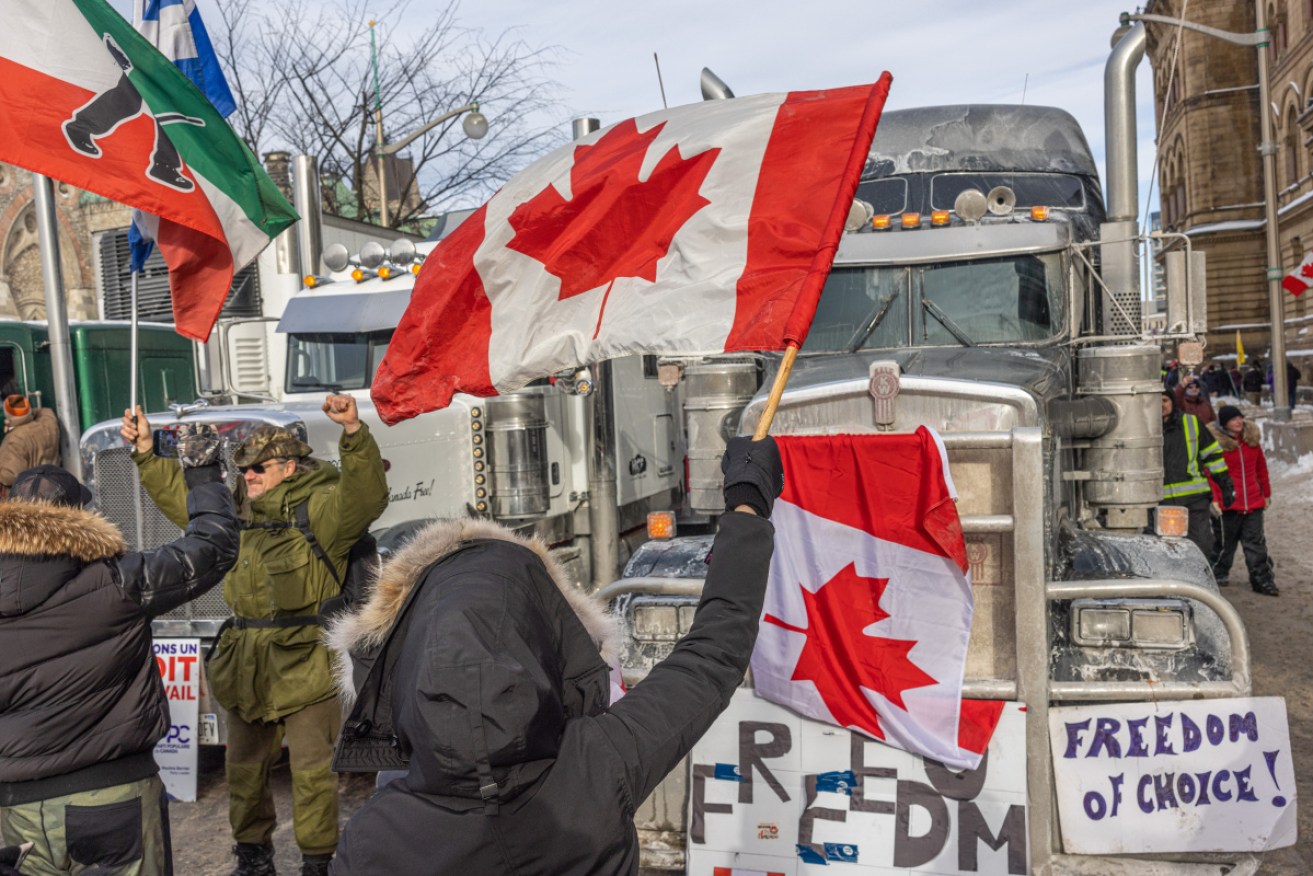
175,28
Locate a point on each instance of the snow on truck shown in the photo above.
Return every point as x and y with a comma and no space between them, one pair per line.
986,292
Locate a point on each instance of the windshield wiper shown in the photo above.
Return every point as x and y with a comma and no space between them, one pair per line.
862,334
313,383
953,328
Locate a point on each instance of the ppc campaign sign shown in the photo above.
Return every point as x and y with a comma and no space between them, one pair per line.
1200,776
180,666
772,792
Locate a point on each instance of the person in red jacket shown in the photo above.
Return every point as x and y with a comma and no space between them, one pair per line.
1242,520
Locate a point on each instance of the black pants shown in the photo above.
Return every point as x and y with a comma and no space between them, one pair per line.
1245,530
1201,530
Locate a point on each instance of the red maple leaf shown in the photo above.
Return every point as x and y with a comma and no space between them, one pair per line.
1306,270
614,225
840,659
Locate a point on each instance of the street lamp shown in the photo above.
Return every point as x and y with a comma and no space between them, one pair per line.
475,125
1259,39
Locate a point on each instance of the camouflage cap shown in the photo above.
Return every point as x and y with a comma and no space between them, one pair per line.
270,442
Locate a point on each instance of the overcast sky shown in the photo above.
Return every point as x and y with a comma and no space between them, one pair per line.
1048,52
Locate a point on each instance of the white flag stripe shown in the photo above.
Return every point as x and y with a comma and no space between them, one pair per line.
929,602
82,61
686,295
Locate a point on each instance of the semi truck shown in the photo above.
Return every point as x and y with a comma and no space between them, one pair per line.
986,290
100,354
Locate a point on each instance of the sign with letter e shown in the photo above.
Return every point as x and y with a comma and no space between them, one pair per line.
1198,776
772,793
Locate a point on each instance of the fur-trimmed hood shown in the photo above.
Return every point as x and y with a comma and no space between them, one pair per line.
472,654
43,545
365,629
1249,434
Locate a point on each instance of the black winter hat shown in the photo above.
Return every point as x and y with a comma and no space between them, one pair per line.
50,483
1227,414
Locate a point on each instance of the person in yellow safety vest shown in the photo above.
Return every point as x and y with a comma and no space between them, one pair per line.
1190,457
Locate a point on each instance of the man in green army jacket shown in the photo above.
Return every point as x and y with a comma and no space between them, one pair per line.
270,669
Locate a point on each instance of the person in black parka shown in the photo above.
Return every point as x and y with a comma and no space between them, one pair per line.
484,673
81,700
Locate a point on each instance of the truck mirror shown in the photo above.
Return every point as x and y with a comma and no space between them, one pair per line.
1187,292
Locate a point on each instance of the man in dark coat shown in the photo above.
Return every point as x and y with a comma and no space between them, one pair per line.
1253,383
81,700
486,677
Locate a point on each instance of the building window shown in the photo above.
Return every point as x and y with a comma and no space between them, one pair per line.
1291,149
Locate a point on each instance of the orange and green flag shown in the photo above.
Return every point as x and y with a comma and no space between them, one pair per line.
86,99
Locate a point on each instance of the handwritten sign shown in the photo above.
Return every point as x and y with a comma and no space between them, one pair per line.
179,664
773,792
1199,776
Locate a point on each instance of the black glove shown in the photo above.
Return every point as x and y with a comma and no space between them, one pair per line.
200,453
754,474
1228,495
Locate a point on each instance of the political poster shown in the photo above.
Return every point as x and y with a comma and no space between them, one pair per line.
772,792
1199,776
179,664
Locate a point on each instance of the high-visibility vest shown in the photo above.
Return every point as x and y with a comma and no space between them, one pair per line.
1210,455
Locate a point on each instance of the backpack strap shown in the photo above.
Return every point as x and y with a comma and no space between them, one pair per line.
302,512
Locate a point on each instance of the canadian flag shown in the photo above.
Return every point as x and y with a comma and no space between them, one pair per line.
868,605
1301,278
700,229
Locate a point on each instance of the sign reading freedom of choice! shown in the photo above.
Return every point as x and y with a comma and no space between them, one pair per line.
773,792
1202,776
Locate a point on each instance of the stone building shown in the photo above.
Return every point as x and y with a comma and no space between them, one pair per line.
80,214
1210,172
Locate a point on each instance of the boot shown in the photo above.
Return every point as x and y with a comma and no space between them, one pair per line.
254,860
1267,588
315,865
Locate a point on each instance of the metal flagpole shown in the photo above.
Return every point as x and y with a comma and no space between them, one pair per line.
133,369
61,351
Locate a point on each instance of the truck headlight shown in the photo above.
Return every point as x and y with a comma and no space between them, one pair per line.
1145,623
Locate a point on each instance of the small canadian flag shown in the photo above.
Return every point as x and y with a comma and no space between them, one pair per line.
1301,278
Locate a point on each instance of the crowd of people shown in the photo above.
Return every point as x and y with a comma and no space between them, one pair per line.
1214,466
479,677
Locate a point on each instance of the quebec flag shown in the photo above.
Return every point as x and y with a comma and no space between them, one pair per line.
175,28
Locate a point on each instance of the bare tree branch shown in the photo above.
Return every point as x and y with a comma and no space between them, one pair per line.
303,80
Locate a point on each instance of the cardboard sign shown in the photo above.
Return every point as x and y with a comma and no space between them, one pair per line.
179,662
772,792
1199,776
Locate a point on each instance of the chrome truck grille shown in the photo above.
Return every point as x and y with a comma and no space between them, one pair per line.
121,498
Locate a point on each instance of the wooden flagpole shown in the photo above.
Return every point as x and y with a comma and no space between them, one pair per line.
776,391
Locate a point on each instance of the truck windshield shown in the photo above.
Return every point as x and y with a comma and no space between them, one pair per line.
982,301
333,362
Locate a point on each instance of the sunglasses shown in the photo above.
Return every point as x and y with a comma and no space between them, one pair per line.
258,467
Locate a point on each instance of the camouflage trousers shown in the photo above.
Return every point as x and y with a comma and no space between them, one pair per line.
124,829
254,749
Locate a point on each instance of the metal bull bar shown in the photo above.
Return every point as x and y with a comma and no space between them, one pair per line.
1033,686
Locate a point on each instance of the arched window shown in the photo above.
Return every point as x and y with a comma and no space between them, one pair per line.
1290,149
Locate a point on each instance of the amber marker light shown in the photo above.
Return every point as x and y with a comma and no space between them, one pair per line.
881,222
1172,521
385,272
940,218
661,525
1039,214
310,280
911,220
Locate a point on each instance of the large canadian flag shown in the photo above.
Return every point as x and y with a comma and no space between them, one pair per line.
701,229
1301,277
868,605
